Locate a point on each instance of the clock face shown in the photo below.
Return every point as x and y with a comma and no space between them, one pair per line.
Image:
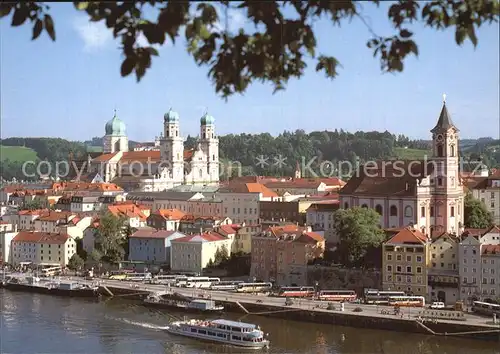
439,137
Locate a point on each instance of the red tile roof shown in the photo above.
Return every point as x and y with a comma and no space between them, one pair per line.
41,237
226,230
170,214
152,233
408,235
490,249
204,237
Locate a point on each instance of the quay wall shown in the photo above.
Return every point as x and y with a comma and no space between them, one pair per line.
349,319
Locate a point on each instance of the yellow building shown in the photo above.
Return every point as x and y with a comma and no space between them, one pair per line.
42,248
444,277
405,258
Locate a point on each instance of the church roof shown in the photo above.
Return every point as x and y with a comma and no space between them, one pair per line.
444,122
398,178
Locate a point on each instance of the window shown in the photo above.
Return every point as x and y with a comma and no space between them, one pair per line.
389,268
346,205
492,281
422,212
452,211
452,150
419,270
408,258
393,211
419,259
398,257
440,181
389,257
378,209
408,211
440,150
465,270
492,204
432,211
398,269
408,269
465,280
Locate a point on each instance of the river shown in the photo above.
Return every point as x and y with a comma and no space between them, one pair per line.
32,323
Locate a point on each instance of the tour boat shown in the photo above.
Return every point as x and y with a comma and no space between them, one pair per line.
35,285
169,300
240,334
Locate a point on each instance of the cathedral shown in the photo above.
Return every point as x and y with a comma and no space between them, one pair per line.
164,165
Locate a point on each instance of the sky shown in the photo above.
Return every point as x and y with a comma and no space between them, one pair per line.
69,88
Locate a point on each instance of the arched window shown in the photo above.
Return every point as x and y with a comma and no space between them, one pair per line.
440,150
364,206
393,211
378,209
201,173
346,205
213,157
452,150
408,211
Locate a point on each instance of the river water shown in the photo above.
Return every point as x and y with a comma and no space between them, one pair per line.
32,323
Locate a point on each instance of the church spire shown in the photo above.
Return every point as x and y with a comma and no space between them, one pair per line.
444,122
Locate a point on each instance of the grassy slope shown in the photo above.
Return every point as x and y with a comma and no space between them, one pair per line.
17,153
411,154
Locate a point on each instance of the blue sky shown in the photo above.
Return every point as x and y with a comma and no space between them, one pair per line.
69,88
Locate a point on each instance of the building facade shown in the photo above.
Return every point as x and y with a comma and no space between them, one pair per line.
427,194
152,246
405,260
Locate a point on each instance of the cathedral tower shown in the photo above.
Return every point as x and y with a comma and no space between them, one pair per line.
172,146
115,139
210,146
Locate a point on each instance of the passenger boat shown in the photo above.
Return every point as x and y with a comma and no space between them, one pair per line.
239,334
177,301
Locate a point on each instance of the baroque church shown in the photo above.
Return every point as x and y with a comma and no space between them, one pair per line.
427,194
168,164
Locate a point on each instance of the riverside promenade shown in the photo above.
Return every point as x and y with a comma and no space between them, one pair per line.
370,316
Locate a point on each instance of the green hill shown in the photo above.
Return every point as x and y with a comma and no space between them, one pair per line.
17,153
411,154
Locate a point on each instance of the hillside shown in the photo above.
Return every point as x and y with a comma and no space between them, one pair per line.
411,154
17,153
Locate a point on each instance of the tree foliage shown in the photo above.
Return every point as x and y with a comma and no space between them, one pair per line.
221,255
34,204
275,49
110,236
476,215
358,231
75,262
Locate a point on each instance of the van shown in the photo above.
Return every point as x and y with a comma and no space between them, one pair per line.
437,305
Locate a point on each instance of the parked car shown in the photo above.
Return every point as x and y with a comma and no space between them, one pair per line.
437,305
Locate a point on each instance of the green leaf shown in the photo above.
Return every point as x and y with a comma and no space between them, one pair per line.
20,16
49,27
37,29
127,66
472,35
82,5
404,33
5,9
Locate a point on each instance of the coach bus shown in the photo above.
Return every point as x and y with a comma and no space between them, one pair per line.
337,295
296,291
373,296
407,301
485,308
253,287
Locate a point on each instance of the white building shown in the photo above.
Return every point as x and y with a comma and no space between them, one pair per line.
7,233
320,217
152,246
490,265
193,253
158,170
471,267
427,194
241,201
42,248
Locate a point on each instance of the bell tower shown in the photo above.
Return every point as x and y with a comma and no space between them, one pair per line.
172,146
447,195
209,143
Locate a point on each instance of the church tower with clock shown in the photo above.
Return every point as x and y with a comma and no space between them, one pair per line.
446,190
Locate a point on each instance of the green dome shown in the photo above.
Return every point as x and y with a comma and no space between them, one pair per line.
171,116
207,119
115,127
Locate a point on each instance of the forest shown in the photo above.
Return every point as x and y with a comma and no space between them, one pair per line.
291,147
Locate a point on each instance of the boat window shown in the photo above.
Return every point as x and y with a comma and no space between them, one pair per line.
193,330
211,333
236,338
202,331
236,329
221,335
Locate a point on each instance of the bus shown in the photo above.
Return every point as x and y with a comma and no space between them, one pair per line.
225,285
254,287
138,276
197,282
296,291
407,301
485,308
51,271
337,295
167,278
374,296
119,274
